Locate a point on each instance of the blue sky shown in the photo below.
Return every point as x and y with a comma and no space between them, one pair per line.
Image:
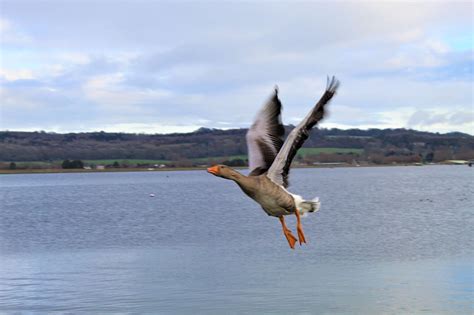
159,67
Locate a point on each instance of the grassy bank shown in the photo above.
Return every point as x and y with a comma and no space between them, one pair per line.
134,162
107,170
168,169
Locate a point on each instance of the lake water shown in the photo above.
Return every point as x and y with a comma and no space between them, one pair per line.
386,240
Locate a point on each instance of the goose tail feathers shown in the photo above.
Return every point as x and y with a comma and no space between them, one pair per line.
309,206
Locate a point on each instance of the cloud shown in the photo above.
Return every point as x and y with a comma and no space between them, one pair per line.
10,35
150,128
422,119
107,90
221,61
14,75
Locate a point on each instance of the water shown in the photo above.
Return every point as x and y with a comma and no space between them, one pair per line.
387,240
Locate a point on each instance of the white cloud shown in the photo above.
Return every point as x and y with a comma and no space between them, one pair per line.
442,120
107,91
221,61
9,34
149,128
426,53
408,36
13,75
74,57
16,102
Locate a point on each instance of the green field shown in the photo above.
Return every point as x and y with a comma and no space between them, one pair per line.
37,163
142,161
314,151
221,158
127,161
302,152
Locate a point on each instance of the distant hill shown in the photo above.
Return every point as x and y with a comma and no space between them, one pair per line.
203,145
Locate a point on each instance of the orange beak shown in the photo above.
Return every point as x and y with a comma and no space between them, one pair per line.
213,170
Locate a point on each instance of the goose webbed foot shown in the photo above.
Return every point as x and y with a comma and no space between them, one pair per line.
289,237
299,228
301,237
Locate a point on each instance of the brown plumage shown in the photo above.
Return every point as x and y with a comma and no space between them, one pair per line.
274,199
265,148
270,160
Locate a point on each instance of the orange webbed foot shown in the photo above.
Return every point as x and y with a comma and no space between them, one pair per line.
301,237
291,239
299,228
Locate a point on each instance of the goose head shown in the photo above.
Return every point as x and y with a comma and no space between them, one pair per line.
223,171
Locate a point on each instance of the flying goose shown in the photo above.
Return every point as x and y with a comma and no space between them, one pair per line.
270,159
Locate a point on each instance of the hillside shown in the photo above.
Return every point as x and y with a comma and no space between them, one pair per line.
205,145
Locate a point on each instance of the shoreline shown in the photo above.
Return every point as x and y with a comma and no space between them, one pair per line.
170,169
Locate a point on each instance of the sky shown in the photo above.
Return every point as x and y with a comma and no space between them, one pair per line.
161,67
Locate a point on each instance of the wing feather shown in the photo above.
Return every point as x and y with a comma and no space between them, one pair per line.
278,172
264,138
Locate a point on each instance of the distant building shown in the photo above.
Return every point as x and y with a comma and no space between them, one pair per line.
100,167
455,162
329,163
87,167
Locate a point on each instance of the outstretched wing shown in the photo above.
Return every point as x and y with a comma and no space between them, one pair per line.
280,168
264,138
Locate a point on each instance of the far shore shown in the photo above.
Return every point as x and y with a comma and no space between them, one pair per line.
168,169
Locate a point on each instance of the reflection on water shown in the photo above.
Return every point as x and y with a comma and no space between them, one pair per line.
392,239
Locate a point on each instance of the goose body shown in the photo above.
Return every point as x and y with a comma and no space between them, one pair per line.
273,198
270,159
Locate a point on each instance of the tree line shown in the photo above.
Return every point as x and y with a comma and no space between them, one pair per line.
377,146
